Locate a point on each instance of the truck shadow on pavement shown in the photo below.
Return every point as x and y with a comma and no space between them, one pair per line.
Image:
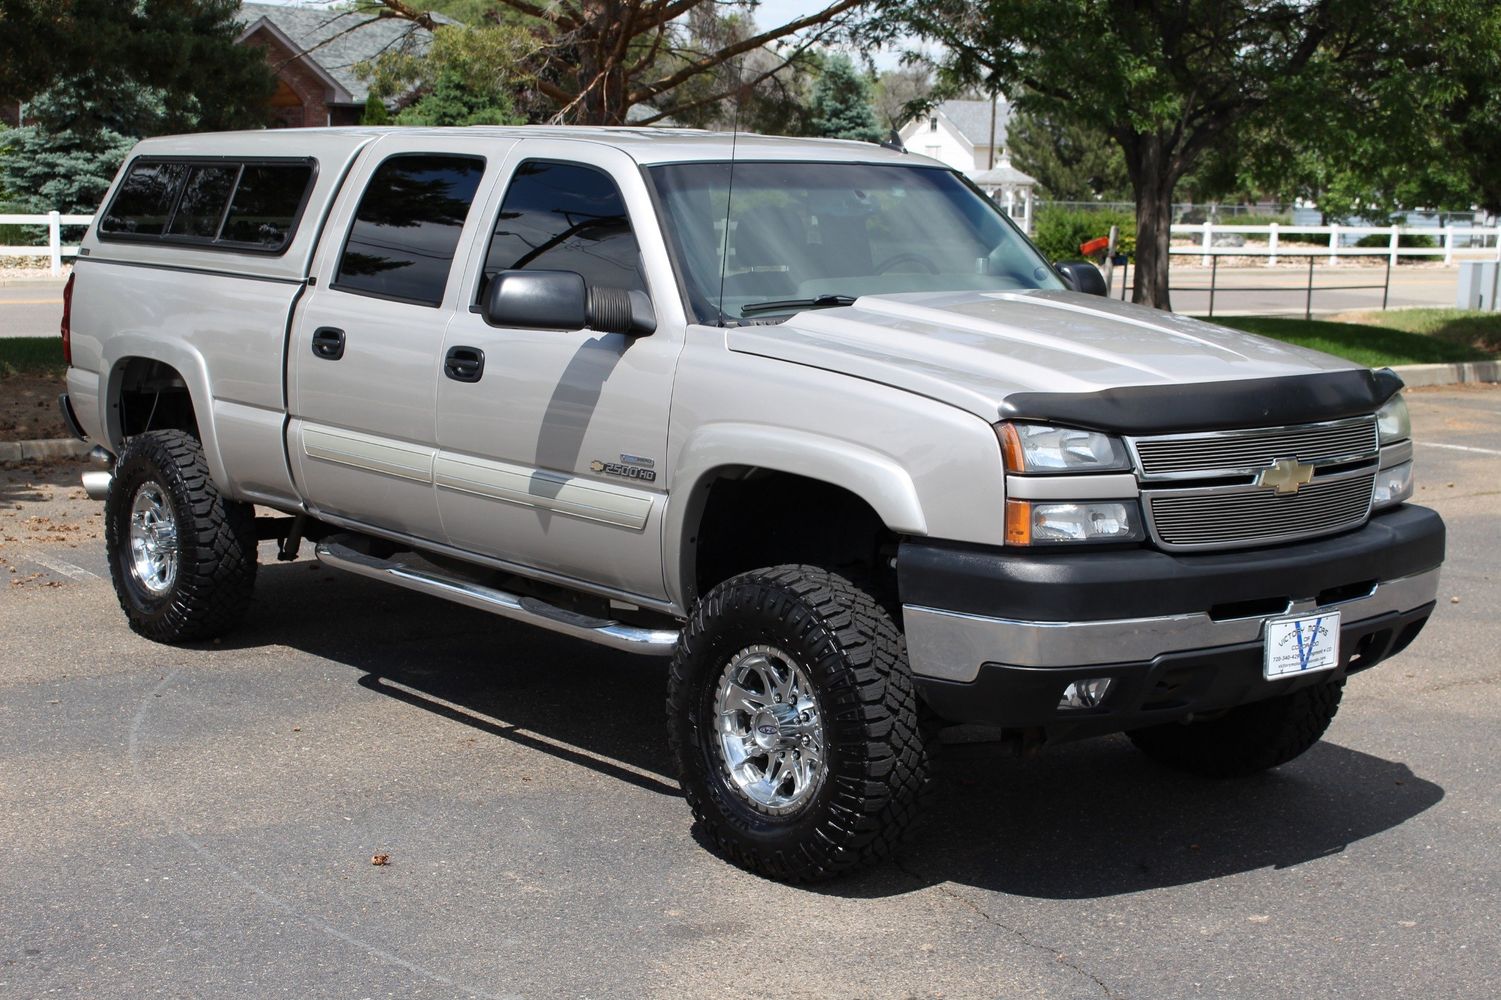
1079,821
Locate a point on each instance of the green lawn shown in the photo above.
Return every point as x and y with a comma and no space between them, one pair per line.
31,355
1397,337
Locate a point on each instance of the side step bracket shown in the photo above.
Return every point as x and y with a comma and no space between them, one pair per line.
426,580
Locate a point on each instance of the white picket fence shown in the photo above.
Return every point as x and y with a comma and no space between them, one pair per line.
54,251
1273,248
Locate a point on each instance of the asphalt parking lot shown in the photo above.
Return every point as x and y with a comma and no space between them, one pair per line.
200,822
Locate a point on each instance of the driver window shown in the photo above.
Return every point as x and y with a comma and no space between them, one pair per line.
565,217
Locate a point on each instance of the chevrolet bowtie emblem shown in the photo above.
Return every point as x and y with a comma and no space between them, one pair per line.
1286,475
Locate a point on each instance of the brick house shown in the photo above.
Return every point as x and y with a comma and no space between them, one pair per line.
313,52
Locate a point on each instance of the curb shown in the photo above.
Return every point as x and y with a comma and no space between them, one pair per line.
1415,376
21,451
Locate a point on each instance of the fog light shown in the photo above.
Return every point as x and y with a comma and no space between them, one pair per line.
1086,694
1393,486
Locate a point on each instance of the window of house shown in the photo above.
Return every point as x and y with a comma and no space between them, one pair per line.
566,217
932,124
407,227
218,203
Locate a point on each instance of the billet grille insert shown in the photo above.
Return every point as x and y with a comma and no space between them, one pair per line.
1223,518
1208,454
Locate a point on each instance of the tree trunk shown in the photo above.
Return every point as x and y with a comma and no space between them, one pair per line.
1152,181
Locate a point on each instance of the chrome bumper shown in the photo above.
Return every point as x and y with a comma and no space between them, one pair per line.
952,646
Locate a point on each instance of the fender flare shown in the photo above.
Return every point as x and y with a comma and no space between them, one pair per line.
873,477
187,362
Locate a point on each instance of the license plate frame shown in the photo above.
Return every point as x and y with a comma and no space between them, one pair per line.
1300,644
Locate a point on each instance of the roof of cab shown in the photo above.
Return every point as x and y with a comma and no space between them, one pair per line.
644,145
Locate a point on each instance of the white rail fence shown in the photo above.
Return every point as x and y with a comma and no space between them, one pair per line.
1479,243
54,251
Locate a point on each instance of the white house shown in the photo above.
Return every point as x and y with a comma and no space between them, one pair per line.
970,136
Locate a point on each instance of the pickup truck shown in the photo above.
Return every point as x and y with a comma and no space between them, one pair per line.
813,419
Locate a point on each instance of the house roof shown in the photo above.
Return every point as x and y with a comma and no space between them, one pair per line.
972,119
333,41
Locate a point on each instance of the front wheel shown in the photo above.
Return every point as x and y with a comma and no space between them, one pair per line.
1247,739
793,718
182,557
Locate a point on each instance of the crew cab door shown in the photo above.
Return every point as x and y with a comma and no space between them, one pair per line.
552,458
365,350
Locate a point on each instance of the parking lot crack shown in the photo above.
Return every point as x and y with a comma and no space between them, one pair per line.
1020,935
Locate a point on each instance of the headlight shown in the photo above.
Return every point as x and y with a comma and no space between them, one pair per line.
1035,522
1039,448
1393,422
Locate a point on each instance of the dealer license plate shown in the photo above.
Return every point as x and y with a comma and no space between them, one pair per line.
1301,645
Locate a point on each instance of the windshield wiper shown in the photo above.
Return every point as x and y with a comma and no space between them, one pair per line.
785,305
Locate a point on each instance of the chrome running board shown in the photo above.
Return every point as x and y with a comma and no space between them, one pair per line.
428,580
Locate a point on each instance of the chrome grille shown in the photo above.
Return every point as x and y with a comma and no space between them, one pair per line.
1222,518
1182,456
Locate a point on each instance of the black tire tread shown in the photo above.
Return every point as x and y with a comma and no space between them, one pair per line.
1248,739
216,543
873,811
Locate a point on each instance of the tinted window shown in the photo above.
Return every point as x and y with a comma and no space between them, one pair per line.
566,217
407,227
203,199
144,202
266,204
258,202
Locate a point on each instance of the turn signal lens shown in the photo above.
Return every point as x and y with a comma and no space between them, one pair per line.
1032,522
1393,486
66,327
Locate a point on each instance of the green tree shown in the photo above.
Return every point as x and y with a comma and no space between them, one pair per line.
467,76
183,49
1172,81
65,159
841,103
901,93
375,112
1072,161
594,60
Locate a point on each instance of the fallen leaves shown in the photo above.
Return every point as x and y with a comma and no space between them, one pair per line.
380,860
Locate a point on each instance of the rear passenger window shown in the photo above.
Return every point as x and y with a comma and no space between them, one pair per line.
221,203
566,217
407,227
144,203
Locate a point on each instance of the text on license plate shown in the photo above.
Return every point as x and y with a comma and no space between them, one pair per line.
1301,645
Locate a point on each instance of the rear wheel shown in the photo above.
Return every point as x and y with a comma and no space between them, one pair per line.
793,717
1247,739
182,558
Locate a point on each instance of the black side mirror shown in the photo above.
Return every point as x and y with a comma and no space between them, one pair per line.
559,300
1082,276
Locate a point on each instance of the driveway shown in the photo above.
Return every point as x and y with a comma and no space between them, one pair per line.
200,822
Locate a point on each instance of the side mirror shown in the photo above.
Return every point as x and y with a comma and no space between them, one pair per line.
559,300
1082,276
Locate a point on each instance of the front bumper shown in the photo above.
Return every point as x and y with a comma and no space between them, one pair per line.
995,635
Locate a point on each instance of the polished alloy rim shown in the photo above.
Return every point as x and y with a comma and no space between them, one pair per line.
770,730
153,540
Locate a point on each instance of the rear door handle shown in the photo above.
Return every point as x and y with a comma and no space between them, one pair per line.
464,364
328,343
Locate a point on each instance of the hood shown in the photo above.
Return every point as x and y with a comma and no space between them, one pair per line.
974,350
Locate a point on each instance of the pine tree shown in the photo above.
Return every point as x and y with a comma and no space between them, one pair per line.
841,103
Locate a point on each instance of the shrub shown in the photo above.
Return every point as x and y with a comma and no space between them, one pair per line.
1059,231
1418,241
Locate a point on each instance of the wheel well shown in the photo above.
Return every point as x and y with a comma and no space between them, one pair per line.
152,396
757,517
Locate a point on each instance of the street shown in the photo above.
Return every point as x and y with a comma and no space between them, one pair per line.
200,822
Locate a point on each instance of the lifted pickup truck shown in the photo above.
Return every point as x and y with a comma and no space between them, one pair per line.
812,418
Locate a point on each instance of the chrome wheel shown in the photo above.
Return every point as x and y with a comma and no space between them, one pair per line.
770,731
153,540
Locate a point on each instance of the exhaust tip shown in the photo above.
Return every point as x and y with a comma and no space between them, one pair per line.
96,484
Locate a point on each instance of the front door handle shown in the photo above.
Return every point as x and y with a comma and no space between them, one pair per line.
328,343
464,364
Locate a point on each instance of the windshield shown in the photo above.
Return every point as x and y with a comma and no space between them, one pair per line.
807,235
